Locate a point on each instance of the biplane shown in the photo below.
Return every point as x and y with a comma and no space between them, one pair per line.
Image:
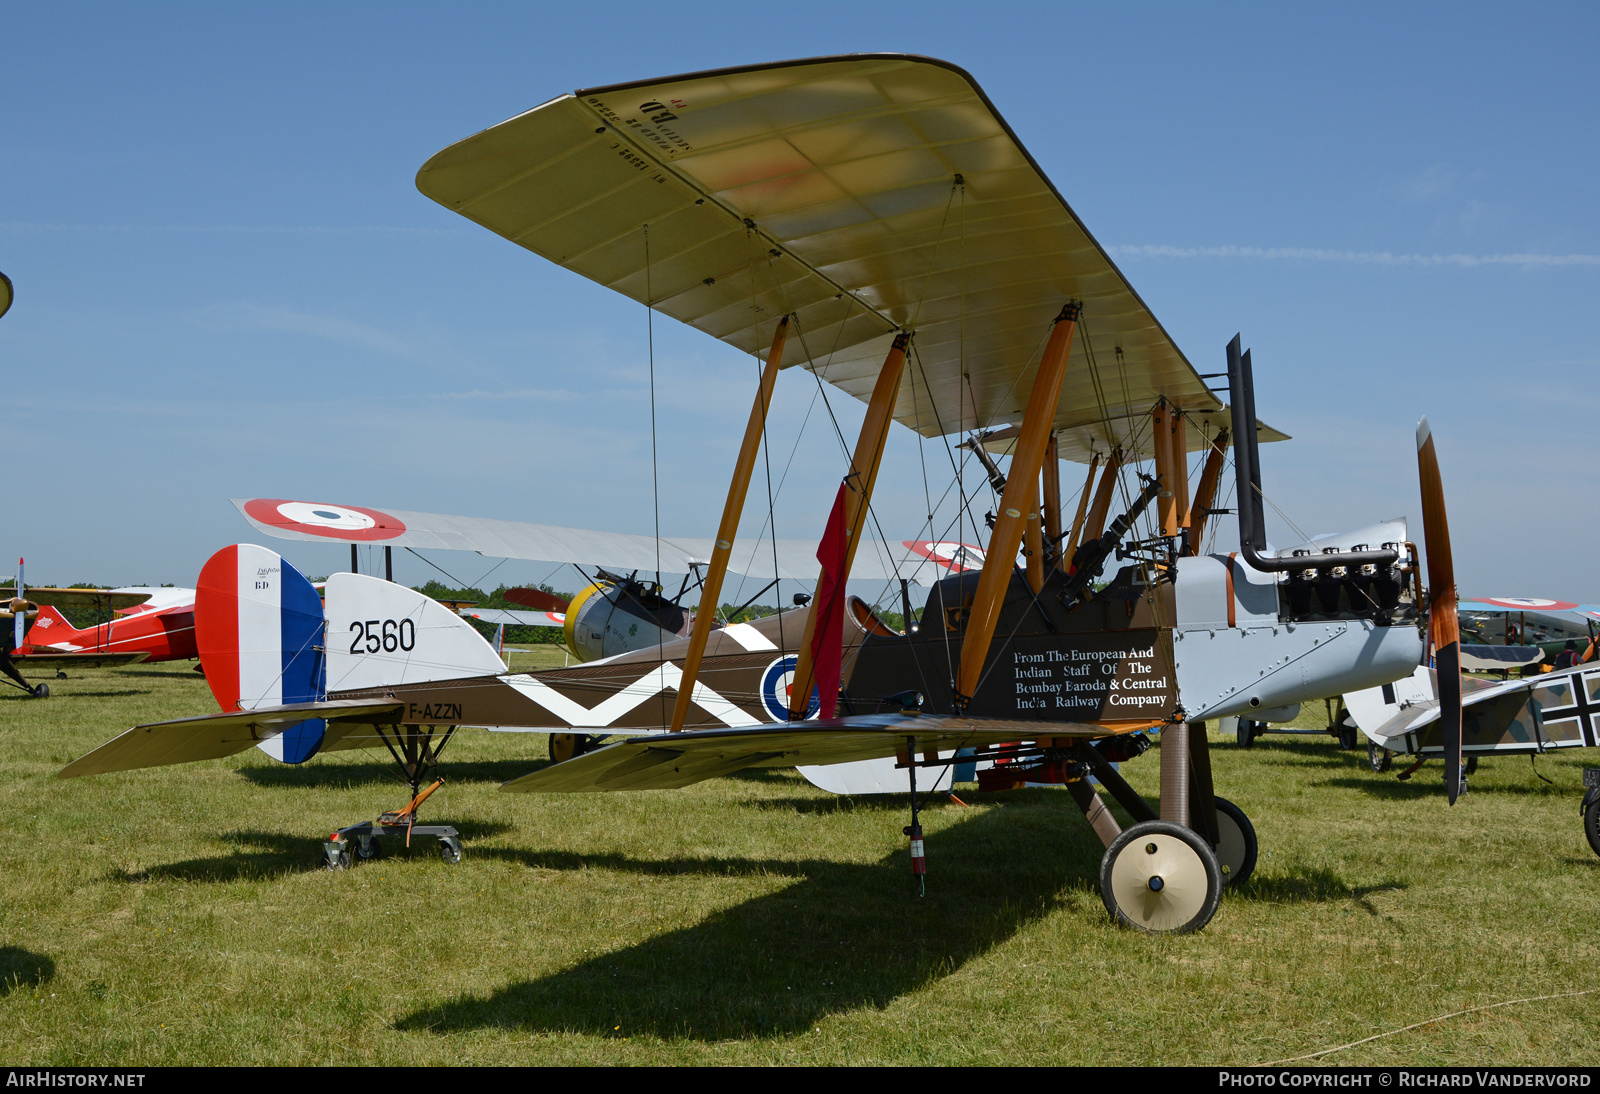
18,603
161,627
871,224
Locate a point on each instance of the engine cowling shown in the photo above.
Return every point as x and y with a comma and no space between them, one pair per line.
612,617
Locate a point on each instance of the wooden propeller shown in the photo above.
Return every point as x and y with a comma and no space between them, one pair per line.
537,599
1444,627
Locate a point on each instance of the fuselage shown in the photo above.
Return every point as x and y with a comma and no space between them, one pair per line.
162,628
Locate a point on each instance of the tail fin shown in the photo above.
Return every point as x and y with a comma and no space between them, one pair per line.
50,628
381,634
259,628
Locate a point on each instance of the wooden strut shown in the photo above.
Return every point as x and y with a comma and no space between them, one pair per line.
863,474
1161,440
1052,493
1071,546
1033,547
1205,492
1020,494
1096,521
722,553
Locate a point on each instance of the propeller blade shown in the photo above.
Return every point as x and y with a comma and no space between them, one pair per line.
17,622
537,599
1444,627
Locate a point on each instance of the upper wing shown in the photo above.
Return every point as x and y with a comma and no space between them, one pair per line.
863,194
79,598
791,559
662,762
211,736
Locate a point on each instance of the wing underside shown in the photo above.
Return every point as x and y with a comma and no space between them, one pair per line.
213,736
863,194
668,762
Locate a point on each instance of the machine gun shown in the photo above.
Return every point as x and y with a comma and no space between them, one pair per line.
1090,558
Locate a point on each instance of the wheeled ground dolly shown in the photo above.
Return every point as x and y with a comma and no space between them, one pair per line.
416,753
364,842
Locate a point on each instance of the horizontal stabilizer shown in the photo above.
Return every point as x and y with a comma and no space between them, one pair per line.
212,736
666,762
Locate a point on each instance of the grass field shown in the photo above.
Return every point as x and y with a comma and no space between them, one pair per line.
181,915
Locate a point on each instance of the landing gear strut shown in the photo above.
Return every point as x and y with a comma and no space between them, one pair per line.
417,756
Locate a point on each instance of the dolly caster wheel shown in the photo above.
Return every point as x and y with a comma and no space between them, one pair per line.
1160,877
338,857
449,850
1236,843
369,849
1380,759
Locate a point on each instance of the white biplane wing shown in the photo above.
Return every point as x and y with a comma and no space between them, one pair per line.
918,561
863,194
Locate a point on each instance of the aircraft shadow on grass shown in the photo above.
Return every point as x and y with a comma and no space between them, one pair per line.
352,775
840,937
260,855
21,969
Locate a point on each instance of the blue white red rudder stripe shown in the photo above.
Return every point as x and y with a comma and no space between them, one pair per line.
259,627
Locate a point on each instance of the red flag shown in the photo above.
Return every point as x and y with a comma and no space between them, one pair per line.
827,640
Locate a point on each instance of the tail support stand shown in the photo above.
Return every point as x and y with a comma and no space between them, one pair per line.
418,757
919,861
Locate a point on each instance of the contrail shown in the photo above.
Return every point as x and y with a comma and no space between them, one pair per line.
1370,258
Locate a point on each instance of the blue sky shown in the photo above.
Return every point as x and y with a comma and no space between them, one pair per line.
228,285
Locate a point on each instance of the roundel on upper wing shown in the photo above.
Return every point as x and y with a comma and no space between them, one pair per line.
1530,604
347,523
952,555
775,685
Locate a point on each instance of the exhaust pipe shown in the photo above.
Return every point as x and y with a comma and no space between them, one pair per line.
1247,468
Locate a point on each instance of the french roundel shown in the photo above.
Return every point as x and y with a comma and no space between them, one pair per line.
953,556
775,684
1531,604
345,523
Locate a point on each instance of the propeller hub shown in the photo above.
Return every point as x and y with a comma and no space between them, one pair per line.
1156,884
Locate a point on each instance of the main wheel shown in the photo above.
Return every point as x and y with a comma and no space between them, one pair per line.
1379,758
1349,732
1236,843
41,691
1245,734
1591,824
1159,877
1471,765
